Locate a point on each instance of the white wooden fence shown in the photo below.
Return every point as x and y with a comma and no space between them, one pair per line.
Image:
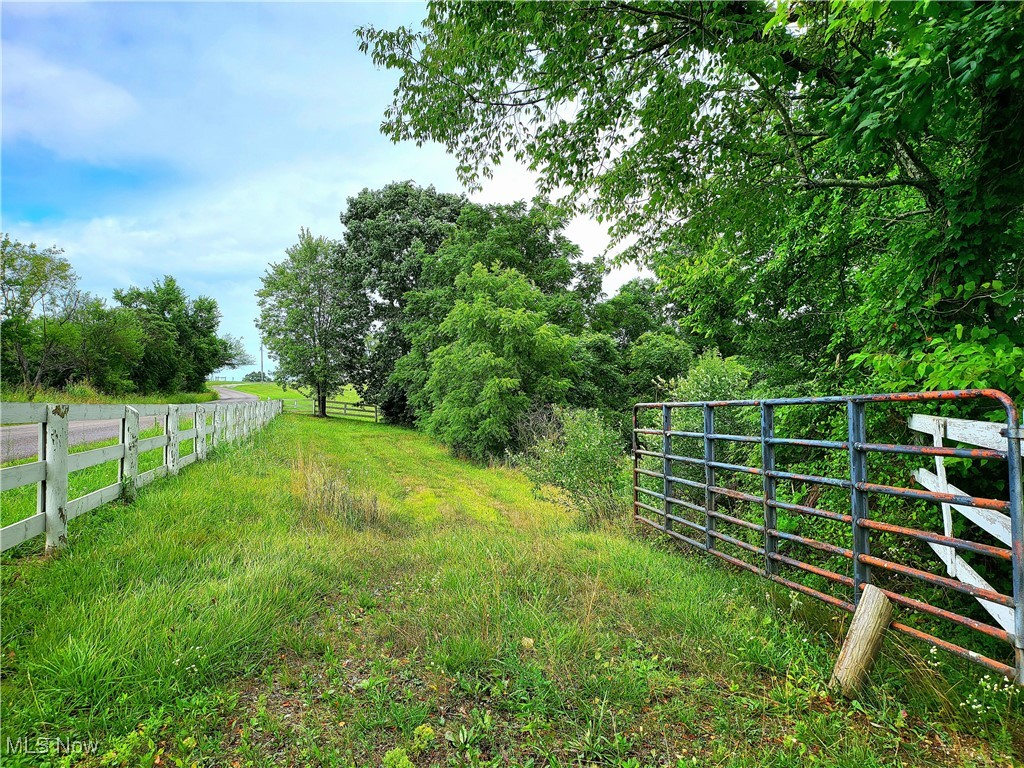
213,425
975,433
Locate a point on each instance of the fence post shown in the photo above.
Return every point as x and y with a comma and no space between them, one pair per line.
1014,439
666,463
856,435
130,438
200,425
218,425
709,477
56,477
771,541
636,465
173,446
41,456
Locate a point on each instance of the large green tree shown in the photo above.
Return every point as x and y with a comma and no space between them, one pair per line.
387,233
812,182
183,347
499,356
315,317
521,237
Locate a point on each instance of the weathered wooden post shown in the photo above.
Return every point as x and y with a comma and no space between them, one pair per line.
218,425
130,438
863,641
41,456
173,444
56,477
200,425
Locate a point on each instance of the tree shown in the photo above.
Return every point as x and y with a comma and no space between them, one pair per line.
40,295
388,233
183,347
500,356
527,239
314,317
639,307
655,359
711,131
102,345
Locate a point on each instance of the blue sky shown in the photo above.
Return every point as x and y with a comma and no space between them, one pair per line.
195,139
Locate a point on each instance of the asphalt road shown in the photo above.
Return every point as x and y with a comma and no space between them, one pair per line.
23,441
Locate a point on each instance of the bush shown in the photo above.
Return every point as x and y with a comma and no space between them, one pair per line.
577,452
716,378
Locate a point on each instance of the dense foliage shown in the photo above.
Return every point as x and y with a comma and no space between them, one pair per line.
819,187
155,339
506,316
388,231
575,451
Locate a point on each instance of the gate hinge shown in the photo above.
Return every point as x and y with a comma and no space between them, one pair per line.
1017,433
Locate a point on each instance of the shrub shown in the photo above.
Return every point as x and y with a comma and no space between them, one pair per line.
577,452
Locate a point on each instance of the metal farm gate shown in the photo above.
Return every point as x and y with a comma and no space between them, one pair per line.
699,479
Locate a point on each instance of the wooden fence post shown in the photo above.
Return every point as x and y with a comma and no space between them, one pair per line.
56,476
863,641
218,426
200,425
130,438
41,456
173,446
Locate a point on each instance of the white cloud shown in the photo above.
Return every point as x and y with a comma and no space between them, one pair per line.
64,109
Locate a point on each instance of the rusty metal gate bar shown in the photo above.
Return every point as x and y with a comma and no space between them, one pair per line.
706,536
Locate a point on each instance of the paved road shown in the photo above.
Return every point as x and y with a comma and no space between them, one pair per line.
23,441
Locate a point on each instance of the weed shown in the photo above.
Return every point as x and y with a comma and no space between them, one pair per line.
397,758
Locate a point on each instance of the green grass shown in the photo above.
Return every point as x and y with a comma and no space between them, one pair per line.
271,391
83,393
316,595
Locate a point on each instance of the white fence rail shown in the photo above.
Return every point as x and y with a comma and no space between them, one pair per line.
212,424
982,434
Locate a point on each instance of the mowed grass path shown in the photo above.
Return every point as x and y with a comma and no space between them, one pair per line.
315,595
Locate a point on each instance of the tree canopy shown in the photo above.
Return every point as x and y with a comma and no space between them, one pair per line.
156,339
817,186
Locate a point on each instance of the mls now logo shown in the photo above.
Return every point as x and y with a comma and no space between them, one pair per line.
49,745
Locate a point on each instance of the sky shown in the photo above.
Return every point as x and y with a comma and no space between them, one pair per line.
195,139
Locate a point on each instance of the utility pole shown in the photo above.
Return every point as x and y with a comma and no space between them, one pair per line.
262,376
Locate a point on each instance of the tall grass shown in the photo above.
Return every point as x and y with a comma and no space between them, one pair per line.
83,392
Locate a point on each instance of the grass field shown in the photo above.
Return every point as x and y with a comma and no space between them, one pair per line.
336,593
271,391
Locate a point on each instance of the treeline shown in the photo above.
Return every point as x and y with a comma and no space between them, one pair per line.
464,318
152,340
